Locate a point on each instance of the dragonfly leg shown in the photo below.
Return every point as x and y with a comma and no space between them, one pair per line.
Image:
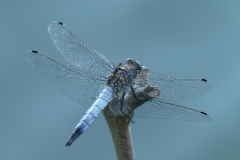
135,96
121,107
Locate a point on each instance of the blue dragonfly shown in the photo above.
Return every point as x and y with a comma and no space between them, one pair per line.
91,79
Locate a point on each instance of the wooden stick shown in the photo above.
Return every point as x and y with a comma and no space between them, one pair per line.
119,127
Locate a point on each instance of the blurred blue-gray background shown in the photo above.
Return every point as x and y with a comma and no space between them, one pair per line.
177,37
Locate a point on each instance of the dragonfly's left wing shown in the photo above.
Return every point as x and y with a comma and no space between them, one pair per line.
166,110
78,52
177,88
80,85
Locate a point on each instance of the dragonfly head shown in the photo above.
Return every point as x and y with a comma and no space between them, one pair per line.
133,64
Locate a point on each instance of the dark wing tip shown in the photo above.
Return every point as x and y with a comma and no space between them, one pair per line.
34,51
207,118
204,80
204,113
60,23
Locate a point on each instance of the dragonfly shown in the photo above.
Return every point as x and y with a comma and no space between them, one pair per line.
128,89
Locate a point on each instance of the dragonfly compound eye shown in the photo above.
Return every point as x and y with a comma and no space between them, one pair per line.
129,61
138,65
135,64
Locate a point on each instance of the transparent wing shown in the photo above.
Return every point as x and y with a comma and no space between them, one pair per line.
76,51
80,85
167,110
177,88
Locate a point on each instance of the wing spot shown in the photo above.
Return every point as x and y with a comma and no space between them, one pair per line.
204,80
204,113
34,51
60,23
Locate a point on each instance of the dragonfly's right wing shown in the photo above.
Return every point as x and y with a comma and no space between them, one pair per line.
80,85
78,52
177,88
158,108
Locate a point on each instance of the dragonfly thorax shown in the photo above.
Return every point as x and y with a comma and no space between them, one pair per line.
124,74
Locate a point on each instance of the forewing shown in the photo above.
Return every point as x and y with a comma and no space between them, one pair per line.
167,110
78,52
78,84
177,88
